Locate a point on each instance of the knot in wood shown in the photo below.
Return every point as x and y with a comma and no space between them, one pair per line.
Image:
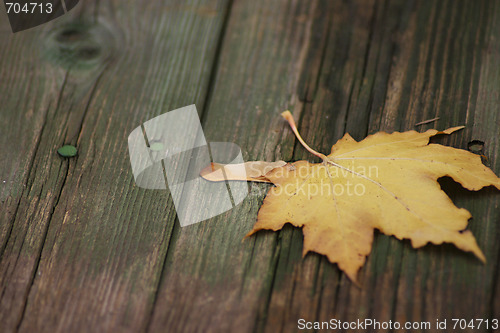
80,45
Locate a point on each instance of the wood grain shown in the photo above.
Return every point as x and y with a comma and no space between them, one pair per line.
87,246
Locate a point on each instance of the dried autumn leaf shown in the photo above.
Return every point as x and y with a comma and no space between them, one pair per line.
251,171
386,182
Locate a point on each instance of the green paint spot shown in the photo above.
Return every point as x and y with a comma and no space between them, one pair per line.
156,146
67,151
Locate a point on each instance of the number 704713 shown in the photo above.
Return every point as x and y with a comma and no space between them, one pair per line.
29,8
463,324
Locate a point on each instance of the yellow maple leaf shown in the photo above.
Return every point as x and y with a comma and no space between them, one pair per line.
386,182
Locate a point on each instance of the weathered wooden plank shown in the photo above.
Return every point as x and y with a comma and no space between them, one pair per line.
309,288
34,93
213,281
87,246
399,64
21,119
486,119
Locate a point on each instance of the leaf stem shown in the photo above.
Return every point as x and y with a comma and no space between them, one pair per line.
288,116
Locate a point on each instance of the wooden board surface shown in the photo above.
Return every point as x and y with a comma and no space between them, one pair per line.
82,248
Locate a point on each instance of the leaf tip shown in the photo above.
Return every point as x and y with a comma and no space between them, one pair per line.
480,255
451,130
353,277
253,231
286,114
